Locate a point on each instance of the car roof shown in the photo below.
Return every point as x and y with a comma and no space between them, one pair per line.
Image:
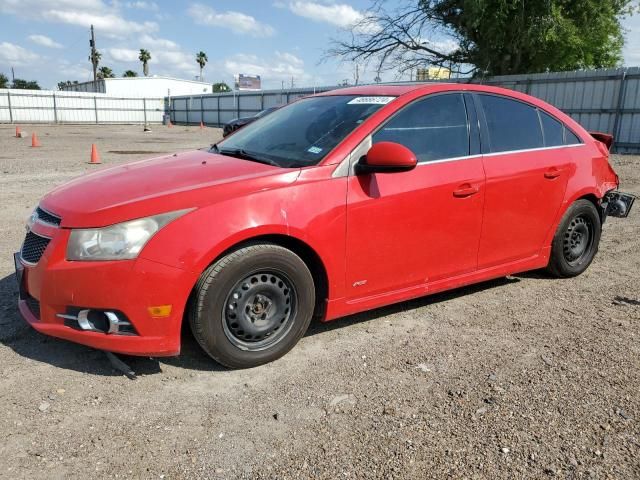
418,89
386,89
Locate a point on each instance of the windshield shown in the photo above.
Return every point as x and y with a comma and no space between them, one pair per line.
303,133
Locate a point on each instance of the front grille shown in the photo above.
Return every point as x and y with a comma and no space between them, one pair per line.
47,217
33,247
33,305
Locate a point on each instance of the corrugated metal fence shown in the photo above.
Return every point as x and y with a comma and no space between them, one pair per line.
34,106
602,100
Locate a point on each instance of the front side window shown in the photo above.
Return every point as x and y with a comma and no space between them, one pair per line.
302,133
434,128
512,125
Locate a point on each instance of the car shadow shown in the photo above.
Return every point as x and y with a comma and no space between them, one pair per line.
16,334
320,327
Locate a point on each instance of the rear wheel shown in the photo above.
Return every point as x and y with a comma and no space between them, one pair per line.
252,306
576,241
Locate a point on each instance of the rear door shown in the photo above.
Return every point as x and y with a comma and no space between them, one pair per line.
527,174
407,229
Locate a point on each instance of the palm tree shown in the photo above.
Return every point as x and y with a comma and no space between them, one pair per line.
105,72
144,57
94,58
130,73
201,59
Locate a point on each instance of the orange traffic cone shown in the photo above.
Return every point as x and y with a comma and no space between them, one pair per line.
95,157
201,125
18,134
34,140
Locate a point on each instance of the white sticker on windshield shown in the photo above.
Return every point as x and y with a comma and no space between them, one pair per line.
371,100
315,150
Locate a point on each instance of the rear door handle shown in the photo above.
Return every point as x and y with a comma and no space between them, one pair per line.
465,190
552,173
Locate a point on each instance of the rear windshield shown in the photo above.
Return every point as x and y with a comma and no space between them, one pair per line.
303,133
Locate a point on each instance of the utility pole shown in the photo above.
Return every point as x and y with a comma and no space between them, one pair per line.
13,76
92,43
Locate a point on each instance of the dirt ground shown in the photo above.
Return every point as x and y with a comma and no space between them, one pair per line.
523,377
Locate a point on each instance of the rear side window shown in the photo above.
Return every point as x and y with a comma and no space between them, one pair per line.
511,125
571,138
553,130
434,128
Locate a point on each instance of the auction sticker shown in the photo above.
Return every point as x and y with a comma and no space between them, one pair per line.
371,100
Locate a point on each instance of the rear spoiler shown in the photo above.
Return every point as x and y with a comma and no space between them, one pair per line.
604,138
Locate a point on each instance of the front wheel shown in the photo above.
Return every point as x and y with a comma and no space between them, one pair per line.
252,306
576,241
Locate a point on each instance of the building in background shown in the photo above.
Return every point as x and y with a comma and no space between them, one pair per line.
432,73
247,82
142,87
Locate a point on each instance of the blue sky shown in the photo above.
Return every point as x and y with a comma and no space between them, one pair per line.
47,41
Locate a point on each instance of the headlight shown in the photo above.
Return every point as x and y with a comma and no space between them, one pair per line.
117,242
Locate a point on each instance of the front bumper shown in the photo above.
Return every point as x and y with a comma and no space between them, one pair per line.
128,286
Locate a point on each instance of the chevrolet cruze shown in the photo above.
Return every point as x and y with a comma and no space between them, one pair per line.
335,204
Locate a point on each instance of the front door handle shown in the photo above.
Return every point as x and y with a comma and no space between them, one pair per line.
465,190
552,173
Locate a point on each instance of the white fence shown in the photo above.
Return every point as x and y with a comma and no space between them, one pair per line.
49,106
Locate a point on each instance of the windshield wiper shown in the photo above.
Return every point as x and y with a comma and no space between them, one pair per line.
244,155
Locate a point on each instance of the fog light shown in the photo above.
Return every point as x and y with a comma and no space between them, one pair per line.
160,311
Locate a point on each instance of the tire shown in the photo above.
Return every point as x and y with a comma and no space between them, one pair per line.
576,241
252,306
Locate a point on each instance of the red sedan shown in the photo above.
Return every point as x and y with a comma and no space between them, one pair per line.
338,203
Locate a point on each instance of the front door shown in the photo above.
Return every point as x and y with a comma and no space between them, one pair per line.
407,229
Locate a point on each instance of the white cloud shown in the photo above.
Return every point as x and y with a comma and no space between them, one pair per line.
126,55
630,51
153,6
338,14
106,18
75,71
44,41
148,41
271,70
234,21
15,55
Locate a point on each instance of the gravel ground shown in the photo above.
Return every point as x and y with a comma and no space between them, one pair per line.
523,377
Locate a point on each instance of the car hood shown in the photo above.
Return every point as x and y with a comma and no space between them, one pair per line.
158,185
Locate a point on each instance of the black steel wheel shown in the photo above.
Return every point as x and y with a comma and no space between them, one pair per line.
258,311
576,241
252,306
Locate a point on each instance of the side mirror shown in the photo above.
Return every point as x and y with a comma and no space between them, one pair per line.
386,157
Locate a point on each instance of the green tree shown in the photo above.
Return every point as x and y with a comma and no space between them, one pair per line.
144,57
201,60
4,81
494,37
66,83
25,84
220,87
94,58
105,72
130,73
